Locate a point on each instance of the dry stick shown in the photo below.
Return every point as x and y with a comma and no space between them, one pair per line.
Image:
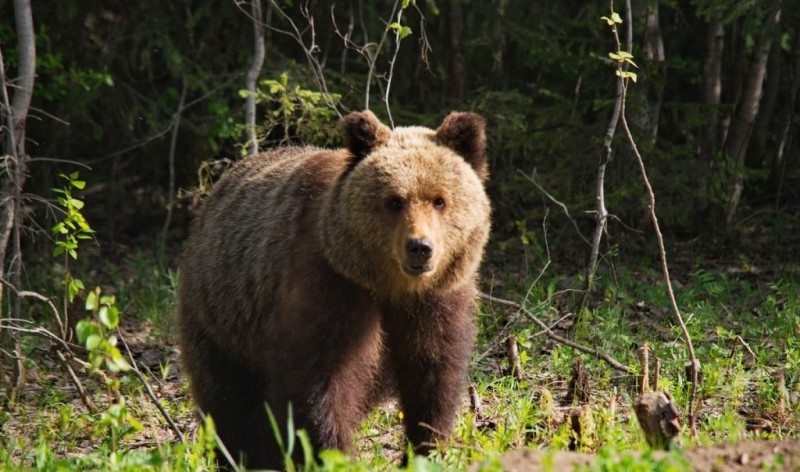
656,373
532,179
594,352
85,398
150,393
643,353
747,346
651,207
512,351
474,400
173,144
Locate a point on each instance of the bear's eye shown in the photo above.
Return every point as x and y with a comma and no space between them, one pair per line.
394,204
439,203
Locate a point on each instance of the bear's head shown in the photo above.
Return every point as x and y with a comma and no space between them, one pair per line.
411,213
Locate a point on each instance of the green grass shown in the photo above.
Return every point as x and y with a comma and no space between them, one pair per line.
746,396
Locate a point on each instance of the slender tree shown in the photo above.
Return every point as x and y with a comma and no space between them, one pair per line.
253,74
738,136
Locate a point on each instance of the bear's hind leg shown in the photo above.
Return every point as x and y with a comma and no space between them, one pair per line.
234,397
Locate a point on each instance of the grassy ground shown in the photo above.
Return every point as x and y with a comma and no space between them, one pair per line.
743,315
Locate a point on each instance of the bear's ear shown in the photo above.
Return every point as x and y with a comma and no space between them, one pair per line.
465,134
363,132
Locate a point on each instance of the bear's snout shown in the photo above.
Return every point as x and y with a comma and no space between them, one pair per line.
418,255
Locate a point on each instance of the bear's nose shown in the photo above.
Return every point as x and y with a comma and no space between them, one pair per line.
419,250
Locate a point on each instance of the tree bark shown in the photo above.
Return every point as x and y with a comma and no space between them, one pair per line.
649,90
16,166
712,87
252,76
17,111
456,59
787,116
746,112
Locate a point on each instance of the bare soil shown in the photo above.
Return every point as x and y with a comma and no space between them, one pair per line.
743,456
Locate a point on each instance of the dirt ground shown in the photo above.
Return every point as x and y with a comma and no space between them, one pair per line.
741,457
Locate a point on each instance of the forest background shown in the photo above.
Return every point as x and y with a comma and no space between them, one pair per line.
148,101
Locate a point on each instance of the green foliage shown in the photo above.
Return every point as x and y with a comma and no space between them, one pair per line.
72,229
295,113
97,332
610,461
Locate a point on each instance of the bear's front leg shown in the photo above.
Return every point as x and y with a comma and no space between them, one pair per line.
430,343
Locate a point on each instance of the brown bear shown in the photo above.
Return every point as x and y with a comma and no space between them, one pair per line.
325,279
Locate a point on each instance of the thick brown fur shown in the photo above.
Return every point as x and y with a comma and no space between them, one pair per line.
299,286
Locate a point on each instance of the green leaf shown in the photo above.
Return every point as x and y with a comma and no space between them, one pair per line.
91,299
616,18
111,315
79,184
83,330
93,341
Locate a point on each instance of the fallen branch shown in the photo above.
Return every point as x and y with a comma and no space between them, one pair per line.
138,374
561,340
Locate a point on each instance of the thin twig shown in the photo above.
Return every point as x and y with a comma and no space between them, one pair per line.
532,179
747,346
308,51
150,393
397,39
594,352
374,57
85,398
173,145
651,207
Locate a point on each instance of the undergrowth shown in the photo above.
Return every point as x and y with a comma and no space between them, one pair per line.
745,326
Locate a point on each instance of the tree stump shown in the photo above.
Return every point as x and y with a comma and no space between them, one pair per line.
659,418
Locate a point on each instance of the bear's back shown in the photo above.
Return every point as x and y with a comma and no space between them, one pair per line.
241,246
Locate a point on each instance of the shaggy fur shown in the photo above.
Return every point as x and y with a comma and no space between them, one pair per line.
326,279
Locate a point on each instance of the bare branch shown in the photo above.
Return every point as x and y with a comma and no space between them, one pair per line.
173,144
594,352
397,39
138,374
532,179
308,51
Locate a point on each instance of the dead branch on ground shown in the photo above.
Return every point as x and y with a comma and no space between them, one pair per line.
593,352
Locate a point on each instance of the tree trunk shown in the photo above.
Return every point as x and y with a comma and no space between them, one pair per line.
456,58
649,90
712,87
18,114
11,226
787,116
757,157
252,76
746,112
